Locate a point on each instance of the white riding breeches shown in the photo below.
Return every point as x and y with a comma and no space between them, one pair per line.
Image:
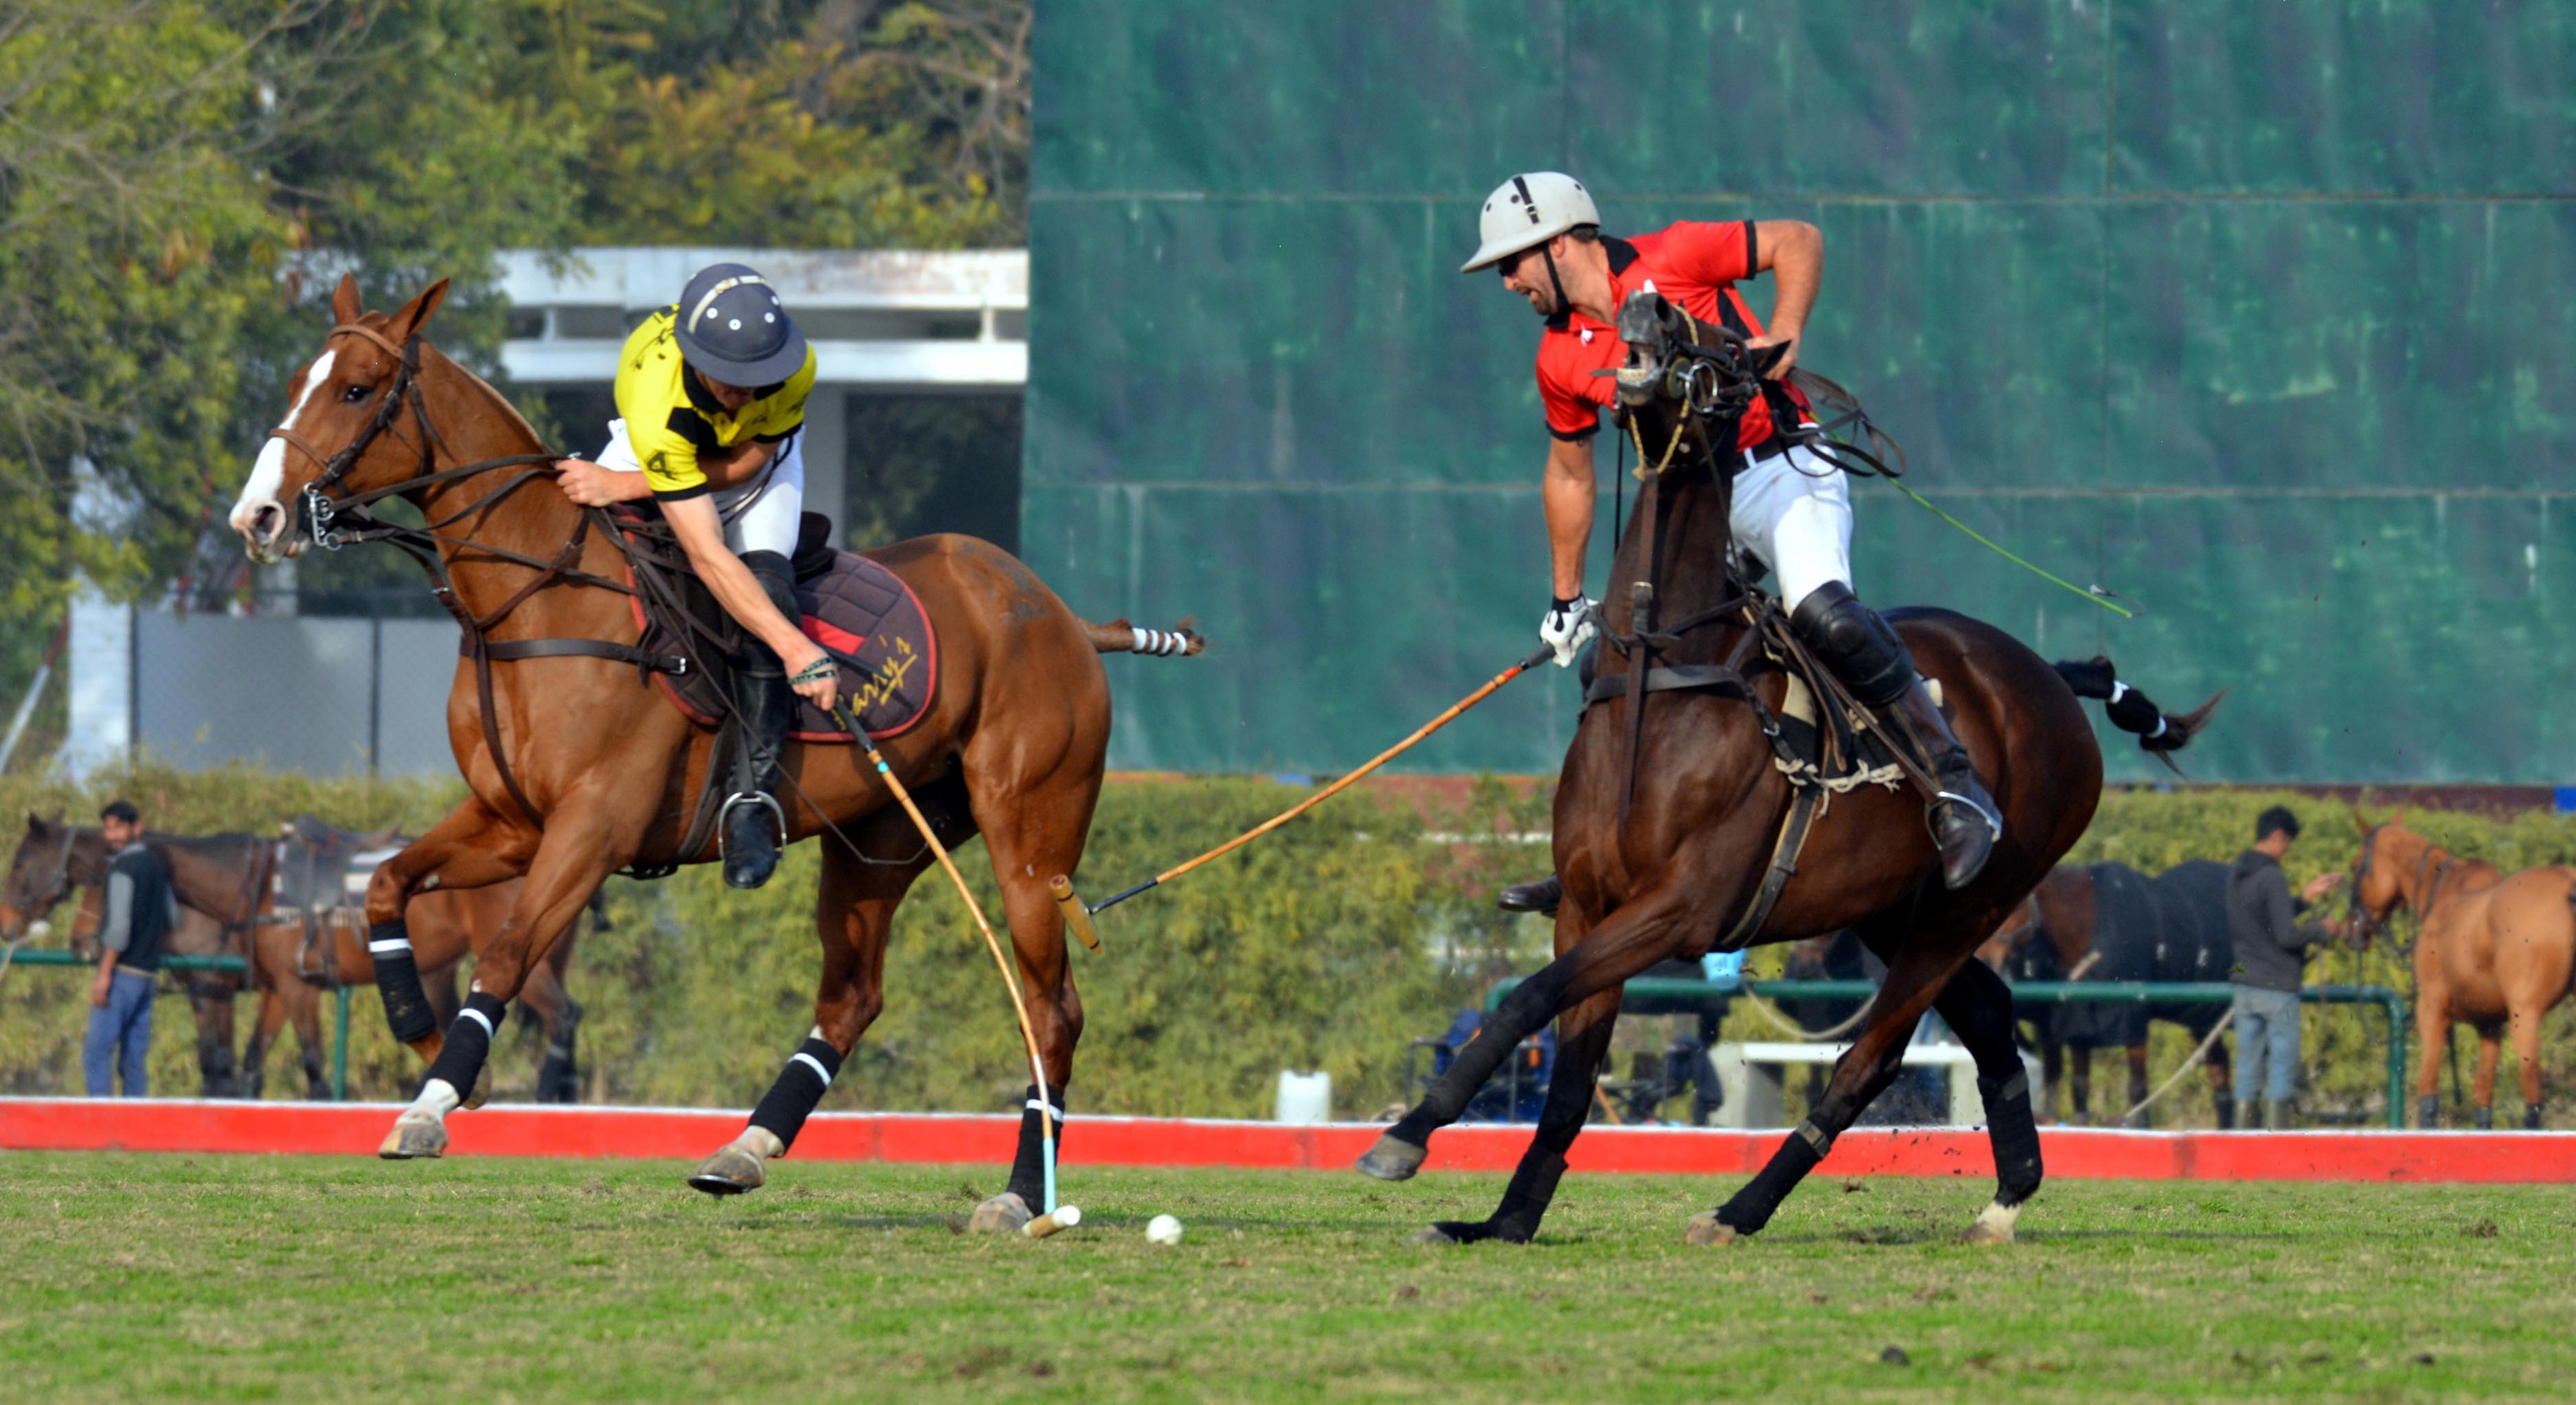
761,515
1794,511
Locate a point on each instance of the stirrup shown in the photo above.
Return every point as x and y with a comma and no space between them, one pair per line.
1994,821
724,817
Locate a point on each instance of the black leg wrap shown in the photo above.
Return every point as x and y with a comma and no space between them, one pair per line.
2226,1108
1525,1200
1028,1167
469,1041
407,1011
2531,1117
1750,1208
1531,1004
790,1100
2428,1111
2014,1132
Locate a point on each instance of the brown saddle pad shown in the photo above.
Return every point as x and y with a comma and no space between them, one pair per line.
871,624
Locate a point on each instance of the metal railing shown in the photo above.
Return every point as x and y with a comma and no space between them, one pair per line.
229,965
1660,995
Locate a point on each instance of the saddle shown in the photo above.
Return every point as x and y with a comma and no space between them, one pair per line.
320,886
863,615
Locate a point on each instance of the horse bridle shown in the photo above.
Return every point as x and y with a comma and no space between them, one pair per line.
322,515
54,889
2428,882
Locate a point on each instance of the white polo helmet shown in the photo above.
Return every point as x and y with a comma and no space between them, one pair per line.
1526,211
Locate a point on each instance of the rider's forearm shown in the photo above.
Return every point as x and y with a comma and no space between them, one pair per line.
1795,251
1567,494
694,522
627,485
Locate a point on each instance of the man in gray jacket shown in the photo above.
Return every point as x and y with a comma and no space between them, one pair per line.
140,912
2271,946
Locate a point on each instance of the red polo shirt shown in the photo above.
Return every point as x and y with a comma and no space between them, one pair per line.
1694,264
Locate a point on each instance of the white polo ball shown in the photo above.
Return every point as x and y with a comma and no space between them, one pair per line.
1163,1229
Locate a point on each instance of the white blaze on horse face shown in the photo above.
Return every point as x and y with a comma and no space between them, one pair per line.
257,514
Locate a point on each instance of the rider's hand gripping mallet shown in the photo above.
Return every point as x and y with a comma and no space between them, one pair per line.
1078,916
1037,1067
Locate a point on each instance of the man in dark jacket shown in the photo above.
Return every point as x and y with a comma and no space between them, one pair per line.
140,912
2271,946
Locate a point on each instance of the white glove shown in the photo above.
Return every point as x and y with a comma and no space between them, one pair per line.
1567,627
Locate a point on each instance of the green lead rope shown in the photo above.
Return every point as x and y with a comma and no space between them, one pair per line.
2096,594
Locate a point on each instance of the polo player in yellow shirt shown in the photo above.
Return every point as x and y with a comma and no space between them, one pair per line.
711,408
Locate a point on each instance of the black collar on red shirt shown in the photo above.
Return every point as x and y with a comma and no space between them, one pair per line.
1622,253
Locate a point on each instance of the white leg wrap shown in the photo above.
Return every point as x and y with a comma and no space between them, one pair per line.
761,1142
437,1099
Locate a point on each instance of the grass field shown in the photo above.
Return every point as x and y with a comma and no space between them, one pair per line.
320,1279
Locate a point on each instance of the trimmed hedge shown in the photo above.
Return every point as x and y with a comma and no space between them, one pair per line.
1331,945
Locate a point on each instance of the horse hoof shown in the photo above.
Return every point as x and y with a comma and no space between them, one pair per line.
1432,1234
414,1139
1393,1160
1005,1213
1706,1229
1993,1225
731,1171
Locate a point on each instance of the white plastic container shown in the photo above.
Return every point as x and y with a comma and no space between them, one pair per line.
1305,1097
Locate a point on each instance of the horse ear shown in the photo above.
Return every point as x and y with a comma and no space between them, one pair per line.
344,300
2358,822
414,315
2398,818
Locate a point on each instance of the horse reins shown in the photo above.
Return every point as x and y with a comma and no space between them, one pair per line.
323,515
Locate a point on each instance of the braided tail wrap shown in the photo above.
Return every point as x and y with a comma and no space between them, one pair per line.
2159,733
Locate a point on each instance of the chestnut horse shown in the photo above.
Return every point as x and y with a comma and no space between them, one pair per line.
2494,950
1012,744
223,882
1674,803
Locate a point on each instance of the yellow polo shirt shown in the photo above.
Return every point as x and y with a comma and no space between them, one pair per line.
671,419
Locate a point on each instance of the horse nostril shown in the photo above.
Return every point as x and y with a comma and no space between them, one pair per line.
265,520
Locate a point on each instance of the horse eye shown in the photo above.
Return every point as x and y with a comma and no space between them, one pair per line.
356,393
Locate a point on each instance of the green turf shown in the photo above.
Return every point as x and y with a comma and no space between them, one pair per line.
495,1280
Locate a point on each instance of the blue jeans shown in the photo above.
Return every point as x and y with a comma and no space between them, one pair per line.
122,1026
2267,1040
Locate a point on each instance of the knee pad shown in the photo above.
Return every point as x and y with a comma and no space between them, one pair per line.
1856,643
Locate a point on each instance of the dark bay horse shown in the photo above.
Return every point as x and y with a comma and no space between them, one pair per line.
1012,745
2496,951
2109,922
1674,802
222,882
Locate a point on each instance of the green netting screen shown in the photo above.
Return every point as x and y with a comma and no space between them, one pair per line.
2257,314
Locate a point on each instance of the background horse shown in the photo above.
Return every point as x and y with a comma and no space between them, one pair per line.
223,884
2494,951
579,766
1675,819
2109,922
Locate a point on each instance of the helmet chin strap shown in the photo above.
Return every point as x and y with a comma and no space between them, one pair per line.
1559,320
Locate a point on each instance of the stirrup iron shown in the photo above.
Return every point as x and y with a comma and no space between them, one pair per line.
724,817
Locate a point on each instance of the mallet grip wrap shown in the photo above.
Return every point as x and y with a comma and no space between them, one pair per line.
1076,916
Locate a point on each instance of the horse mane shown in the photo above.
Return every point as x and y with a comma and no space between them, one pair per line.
489,392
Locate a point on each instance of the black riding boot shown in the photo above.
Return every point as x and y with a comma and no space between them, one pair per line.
1869,658
754,822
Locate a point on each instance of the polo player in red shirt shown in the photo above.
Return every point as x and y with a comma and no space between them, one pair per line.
1791,509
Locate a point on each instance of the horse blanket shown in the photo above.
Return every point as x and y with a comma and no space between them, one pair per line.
2171,927
871,624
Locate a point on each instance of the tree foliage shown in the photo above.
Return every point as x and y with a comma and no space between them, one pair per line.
181,180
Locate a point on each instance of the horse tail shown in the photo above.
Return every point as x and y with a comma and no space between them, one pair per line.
2159,733
1120,637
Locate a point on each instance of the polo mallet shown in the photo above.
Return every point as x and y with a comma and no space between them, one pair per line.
1037,1067
1078,916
